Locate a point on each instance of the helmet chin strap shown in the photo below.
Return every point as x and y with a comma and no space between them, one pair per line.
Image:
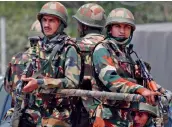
121,41
149,121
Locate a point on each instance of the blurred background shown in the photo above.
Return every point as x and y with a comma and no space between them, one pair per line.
152,38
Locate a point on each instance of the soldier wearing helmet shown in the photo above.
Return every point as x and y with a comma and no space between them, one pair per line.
35,32
90,19
56,66
16,65
143,114
114,68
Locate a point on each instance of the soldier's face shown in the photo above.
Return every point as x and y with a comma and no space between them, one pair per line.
50,24
121,30
140,118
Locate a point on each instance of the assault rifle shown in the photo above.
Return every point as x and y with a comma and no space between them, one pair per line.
22,101
148,82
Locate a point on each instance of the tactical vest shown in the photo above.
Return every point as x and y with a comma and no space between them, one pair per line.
55,70
85,49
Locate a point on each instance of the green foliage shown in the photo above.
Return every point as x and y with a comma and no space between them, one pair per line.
21,14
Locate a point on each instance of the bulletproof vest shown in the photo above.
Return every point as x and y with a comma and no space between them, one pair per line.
86,46
54,69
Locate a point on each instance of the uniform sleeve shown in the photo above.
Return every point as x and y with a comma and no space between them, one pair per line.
72,72
106,68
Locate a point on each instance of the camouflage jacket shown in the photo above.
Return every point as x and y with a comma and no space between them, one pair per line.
108,61
63,72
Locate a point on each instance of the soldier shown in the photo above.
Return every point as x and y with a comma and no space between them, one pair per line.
90,18
57,67
114,67
143,114
16,66
35,31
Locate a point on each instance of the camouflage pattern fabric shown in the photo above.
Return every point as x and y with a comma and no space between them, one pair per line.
107,64
91,14
35,30
120,15
14,71
56,9
86,45
64,72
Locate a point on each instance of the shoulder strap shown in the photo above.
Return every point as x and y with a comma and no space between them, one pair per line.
54,52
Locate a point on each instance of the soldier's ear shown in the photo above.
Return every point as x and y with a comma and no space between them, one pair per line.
85,27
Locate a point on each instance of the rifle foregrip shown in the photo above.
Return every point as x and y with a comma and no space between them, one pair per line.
152,85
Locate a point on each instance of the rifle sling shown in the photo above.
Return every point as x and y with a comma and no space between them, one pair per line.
56,49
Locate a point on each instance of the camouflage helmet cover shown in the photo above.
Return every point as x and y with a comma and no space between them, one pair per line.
120,15
56,9
35,29
153,110
92,15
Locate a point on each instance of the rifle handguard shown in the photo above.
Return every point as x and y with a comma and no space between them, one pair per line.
152,85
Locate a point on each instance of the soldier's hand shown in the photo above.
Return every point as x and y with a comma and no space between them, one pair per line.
31,85
148,95
137,71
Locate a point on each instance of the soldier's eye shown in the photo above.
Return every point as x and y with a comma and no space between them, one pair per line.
140,114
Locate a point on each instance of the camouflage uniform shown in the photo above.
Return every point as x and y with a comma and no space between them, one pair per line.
19,60
92,17
144,107
61,72
111,67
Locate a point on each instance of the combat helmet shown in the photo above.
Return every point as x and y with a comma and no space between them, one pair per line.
153,110
144,107
35,29
92,15
56,9
121,15
35,32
